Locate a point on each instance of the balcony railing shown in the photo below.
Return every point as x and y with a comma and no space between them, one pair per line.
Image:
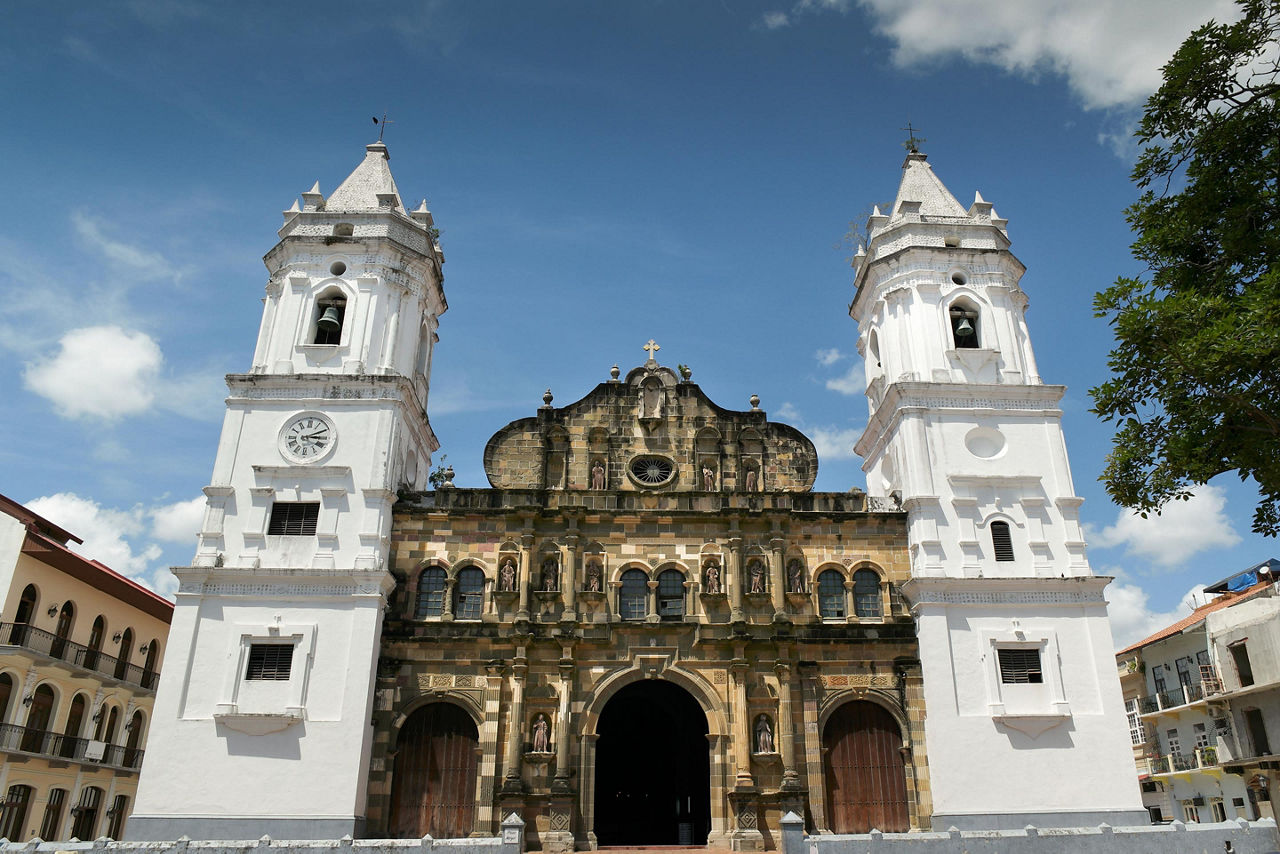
1201,757
14,738
47,643
1172,697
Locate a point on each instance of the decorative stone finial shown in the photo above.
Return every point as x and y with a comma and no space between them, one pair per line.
614,373
448,477
685,373
755,403
547,398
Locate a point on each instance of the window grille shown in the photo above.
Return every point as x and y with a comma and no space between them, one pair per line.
270,662
866,594
468,594
632,595
294,518
671,594
1020,666
1001,541
430,601
831,595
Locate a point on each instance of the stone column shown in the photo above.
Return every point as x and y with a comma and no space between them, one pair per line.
569,577
446,607
786,727
741,727
515,729
777,577
651,602
561,782
524,578
732,577
810,693
485,811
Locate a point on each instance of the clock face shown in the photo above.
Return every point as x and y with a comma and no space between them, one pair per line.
307,438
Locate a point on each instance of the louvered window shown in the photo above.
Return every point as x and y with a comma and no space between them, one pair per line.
270,662
1001,540
1019,666
294,518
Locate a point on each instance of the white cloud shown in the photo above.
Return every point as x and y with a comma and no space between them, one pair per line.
788,411
834,443
138,262
1132,618
852,381
178,522
1184,529
828,357
775,20
107,534
101,371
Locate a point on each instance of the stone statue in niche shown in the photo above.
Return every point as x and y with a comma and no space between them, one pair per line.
764,735
597,475
757,577
652,399
551,574
713,578
541,734
593,577
507,576
708,478
753,479
795,576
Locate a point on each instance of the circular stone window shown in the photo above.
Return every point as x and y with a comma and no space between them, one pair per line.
337,268
984,442
652,471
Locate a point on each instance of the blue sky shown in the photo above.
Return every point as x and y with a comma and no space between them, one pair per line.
602,173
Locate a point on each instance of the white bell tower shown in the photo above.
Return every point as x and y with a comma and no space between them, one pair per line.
262,718
1025,723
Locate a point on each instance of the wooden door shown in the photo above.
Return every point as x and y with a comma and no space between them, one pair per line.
434,788
866,779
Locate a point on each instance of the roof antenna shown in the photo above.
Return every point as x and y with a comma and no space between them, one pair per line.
382,125
913,143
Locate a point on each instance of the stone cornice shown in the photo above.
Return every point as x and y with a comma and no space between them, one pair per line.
1074,591
282,582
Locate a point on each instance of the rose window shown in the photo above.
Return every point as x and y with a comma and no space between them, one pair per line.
652,471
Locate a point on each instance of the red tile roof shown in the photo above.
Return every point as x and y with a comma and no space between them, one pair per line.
1197,616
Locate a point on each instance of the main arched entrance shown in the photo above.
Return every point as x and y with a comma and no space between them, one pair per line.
865,774
433,790
653,773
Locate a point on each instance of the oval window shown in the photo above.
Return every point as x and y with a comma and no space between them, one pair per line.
652,471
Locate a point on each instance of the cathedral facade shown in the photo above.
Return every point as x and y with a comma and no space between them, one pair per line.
649,629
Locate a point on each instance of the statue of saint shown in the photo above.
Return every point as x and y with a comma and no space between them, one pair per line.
713,577
593,577
764,735
652,397
708,478
507,577
757,577
796,573
551,575
597,475
752,480
542,734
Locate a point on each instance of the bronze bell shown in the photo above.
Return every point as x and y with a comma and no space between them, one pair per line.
964,328
330,321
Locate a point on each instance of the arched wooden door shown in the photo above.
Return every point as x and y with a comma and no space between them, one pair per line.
866,778
434,787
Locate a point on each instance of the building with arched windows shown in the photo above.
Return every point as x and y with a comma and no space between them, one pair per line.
80,648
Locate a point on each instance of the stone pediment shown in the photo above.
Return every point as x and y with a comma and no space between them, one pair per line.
653,431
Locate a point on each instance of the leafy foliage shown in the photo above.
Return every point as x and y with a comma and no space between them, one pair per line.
1195,370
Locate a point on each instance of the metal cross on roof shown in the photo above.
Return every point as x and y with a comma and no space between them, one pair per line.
913,142
382,124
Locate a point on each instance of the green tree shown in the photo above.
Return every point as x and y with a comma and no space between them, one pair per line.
1194,388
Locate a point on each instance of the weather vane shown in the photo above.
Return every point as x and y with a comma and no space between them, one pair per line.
913,142
382,125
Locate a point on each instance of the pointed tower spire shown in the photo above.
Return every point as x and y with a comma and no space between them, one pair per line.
922,191
370,187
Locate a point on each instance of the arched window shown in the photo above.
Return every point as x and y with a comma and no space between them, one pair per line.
36,735
131,753
430,601
964,326
866,593
331,310
831,595
86,813
96,634
71,732
1001,541
113,720
115,815
14,816
26,608
671,595
62,631
53,814
468,594
6,692
632,596
149,667
126,652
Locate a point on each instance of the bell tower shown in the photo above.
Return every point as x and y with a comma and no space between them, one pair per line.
267,690
1025,723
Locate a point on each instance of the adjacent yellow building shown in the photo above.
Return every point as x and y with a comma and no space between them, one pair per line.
80,650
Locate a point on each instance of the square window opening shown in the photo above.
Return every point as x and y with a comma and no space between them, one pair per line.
294,519
271,662
1020,666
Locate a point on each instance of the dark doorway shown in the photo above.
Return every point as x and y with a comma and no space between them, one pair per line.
653,773
866,778
434,787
